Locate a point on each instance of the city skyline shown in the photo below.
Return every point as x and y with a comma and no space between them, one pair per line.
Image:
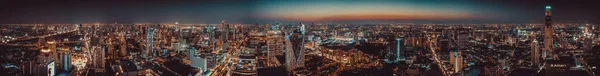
299,38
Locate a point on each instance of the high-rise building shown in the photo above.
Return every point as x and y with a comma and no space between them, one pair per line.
110,49
298,45
122,45
395,52
290,59
274,41
587,42
456,60
79,29
149,43
65,60
45,63
197,62
463,37
211,33
98,60
51,44
548,34
535,55
225,35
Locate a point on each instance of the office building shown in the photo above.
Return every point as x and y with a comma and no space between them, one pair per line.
197,62
395,51
297,41
535,55
149,43
456,60
98,59
548,34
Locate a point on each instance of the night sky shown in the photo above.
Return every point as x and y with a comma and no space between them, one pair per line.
269,11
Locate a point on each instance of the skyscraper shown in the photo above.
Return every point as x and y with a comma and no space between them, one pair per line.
289,56
52,47
110,49
225,30
298,45
65,58
98,59
548,34
274,41
456,60
197,62
394,54
463,38
149,43
122,45
45,63
535,55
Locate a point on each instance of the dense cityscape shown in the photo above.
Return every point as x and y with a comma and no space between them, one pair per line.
311,48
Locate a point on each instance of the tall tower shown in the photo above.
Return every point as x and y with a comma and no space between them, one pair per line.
149,43
535,55
225,29
394,54
548,34
290,59
197,62
45,63
52,47
110,49
399,46
298,42
122,45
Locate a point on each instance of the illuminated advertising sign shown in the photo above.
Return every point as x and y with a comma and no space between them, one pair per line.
51,69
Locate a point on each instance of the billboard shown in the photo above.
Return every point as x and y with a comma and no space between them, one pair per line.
51,68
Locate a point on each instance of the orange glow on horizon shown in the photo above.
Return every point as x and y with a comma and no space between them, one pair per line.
375,17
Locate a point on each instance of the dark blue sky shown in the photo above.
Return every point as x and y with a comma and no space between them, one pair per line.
265,11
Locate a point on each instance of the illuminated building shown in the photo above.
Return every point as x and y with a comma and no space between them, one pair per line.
444,45
395,53
548,34
463,38
211,35
110,49
225,29
65,55
456,60
197,62
183,44
52,47
535,55
274,41
289,56
175,46
562,66
587,42
98,60
149,43
297,41
45,65
80,29
122,45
